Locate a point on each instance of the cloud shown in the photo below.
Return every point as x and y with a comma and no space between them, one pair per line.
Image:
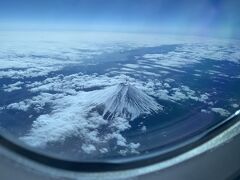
214,50
36,103
96,108
133,66
235,105
78,112
13,87
221,111
78,116
60,86
193,53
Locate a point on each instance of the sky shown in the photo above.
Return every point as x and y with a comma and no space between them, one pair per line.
196,17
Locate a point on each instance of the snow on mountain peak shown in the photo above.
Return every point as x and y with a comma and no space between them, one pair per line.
126,101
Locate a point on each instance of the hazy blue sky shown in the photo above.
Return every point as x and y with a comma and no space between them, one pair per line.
201,17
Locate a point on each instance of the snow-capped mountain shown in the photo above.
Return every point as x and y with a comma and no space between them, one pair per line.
125,101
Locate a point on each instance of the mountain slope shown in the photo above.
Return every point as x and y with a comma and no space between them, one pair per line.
124,100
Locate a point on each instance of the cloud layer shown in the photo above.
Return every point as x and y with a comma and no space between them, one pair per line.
97,106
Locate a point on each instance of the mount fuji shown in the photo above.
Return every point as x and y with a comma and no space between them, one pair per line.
125,101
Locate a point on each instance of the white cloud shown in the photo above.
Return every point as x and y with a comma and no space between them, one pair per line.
235,105
219,51
205,111
193,53
41,53
19,106
78,115
171,60
13,87
143,128
221,111
81,104
132,66
37,102
76,112
28,72
88,148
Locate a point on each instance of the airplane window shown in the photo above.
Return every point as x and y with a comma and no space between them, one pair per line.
85,81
